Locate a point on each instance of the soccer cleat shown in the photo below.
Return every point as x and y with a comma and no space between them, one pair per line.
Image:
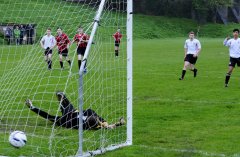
226,85
60,93
195,72
180,78
29,104
122,121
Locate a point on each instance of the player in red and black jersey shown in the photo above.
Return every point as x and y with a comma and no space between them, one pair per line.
117,38
63,45
81,39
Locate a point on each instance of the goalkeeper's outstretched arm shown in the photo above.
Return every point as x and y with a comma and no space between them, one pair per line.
42,113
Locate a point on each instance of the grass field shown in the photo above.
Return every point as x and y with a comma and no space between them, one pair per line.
191,118
194,117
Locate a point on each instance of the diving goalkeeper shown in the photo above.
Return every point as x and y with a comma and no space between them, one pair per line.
70,116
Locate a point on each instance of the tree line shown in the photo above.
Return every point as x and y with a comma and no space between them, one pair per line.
201,10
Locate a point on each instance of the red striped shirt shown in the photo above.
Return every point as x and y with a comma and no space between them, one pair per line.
81,39
117,36
62,41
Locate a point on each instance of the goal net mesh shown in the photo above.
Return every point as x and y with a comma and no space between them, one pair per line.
24,75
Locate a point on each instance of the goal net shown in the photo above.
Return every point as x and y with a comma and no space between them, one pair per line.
105,86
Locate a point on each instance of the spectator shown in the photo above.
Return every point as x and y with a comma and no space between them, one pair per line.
30,33
8,34
22,34
17,35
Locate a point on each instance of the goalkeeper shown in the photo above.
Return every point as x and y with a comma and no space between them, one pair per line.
70,116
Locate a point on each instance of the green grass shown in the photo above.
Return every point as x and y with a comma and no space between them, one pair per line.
194,117
57,13
24,75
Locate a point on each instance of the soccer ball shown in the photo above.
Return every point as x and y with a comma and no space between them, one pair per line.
17,139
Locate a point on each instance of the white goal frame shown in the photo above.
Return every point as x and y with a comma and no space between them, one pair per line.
129,78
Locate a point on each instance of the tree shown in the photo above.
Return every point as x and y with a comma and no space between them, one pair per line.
204,8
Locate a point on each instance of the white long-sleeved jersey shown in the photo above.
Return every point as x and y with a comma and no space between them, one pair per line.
234,47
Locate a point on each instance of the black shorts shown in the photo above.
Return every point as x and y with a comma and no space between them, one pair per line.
47,51
234,61
81,50
189,58
117,43
64,52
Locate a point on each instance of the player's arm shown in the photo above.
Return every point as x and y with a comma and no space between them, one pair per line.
198,49
105,125
120,37
185,49
40,112
54,43
226,41
57,43
67,41
86,38
68,44
185,52
41,42
74,40
114,36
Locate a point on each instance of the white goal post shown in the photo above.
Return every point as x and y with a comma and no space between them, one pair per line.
128,77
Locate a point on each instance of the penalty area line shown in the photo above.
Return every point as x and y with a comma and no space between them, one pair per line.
201,152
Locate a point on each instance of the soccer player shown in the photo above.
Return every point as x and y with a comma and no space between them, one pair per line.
70,116
63,46
117,38
82,39
192,48
234,52
48,42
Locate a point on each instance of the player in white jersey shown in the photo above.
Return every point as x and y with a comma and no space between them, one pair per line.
234,53
192,49
48,42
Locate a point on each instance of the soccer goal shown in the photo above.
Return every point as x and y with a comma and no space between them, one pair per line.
102,84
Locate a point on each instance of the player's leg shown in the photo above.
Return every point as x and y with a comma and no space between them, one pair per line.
185,66
65,54
64,103
193,69
68,60
193,61
45,57
231,66
228,75
50,60
79,60
80,53
42,113
48,54
116,48
61,60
